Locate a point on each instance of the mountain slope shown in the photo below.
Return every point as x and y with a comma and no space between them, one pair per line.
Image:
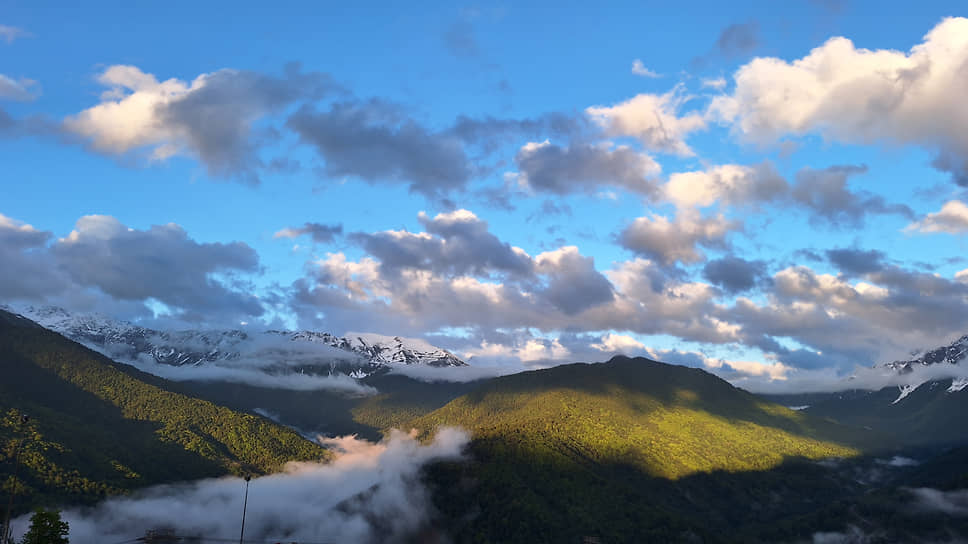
627,450
926,414
99,427
668,420
922,411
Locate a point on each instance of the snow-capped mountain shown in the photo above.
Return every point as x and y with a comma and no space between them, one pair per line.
950,354
311,352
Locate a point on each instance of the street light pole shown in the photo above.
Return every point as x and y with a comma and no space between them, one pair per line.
13,488
245,503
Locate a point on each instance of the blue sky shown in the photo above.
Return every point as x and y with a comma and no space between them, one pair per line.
742,189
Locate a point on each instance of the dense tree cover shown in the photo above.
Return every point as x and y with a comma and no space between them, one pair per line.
629,450
634,451
667,420
99,427
46,527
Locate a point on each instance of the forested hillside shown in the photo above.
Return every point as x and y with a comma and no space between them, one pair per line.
98,427
629,447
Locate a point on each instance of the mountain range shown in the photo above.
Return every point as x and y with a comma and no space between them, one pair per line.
357,354
626,450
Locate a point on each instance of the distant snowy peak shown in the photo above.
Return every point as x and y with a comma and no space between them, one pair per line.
357,354
950,354
398,350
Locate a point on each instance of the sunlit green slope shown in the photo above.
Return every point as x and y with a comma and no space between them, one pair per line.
670,421
98,427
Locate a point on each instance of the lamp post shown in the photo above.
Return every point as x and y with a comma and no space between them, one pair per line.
245,503
13,488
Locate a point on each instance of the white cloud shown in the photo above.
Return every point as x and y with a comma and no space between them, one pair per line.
728,183
127,119
619,343
861,96
576,168
209,118
952,218
653,119
678,240
368,493
639,69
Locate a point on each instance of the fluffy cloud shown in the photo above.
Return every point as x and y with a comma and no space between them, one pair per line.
585,168
726,184
824,193
122,264
211,118
679,240
861,96
856,262
881,317
455,243
26,270
376,142
653,119
734,274
952,218
573,283
320,233
619,343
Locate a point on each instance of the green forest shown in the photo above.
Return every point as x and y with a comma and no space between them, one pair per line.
99,428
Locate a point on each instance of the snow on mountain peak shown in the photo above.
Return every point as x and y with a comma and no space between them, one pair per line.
357,355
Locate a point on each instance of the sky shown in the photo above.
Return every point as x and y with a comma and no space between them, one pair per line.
768,191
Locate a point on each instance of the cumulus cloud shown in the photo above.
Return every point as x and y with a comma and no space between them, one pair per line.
368,493
857,262
862,96
653,119
377,142
320,233
734,274
573,283
837,322
454,243
952,219
728,184
26,270
161,263
20,90
11,33
619,343
825,194
585,168
639,69
101,255
678,240
212,118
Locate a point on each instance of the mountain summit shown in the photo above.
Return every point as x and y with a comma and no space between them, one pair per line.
357,354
